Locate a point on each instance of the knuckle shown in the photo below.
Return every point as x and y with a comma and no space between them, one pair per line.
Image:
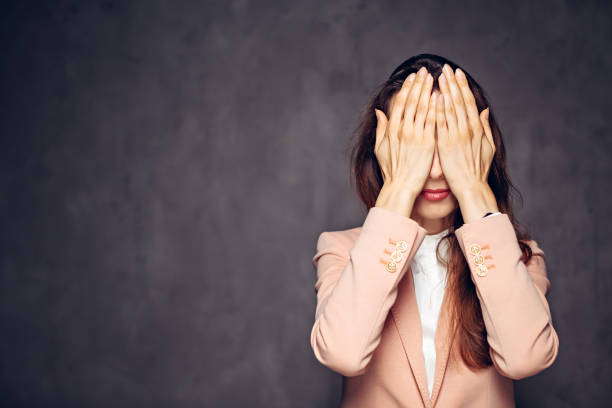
412,99
476,126
421,109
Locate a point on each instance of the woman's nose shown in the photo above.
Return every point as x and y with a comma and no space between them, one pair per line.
436,168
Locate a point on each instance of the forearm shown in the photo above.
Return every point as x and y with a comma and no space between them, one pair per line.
512,296
355,295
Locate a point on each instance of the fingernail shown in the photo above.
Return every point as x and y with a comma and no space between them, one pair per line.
422,71
376,113
459,73
411,77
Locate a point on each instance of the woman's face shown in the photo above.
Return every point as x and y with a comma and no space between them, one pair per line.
433,211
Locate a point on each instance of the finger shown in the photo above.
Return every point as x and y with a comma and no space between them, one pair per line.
430,121
397,108
413,97
470,103
381,137
424,101
457,100
381,126
449,111
441,119
484,119
392,130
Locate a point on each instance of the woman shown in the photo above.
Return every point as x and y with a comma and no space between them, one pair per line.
439,298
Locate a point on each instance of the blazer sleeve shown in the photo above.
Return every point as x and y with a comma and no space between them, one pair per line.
512,295
356,286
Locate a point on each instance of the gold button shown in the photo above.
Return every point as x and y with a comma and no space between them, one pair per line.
475,249
402,246
396,256
478,259
482,270
391,267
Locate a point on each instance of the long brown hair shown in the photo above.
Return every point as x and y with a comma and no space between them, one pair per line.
365,172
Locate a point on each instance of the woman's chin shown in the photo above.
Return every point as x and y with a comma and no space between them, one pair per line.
436,208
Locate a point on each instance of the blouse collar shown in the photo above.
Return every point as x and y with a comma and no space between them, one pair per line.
425,255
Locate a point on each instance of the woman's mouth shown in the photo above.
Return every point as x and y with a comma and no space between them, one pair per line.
435,194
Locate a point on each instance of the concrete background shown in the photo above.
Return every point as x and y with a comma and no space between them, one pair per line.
168,165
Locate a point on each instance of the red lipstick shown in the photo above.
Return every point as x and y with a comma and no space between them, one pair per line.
437,194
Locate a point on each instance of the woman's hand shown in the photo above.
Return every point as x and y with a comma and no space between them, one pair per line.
465,145
405,143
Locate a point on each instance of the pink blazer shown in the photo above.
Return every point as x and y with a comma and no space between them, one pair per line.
367,326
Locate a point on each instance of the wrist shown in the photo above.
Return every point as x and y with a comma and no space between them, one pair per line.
476,201
396,198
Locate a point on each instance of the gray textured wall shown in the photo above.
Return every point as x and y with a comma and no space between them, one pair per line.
167,167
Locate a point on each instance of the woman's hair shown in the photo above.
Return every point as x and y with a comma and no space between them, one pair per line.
365,172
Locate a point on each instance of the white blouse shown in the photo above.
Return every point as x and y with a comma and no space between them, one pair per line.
429,283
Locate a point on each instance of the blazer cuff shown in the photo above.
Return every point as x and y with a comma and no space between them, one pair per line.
488,241
391,235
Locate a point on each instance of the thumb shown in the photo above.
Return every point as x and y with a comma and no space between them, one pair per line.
484,119
381,127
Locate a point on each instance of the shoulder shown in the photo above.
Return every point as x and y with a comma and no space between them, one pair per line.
336,242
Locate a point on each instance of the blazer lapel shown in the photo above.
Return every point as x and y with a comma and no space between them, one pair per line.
408,322
445,333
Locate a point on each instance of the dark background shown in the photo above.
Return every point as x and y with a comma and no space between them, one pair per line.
168,165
